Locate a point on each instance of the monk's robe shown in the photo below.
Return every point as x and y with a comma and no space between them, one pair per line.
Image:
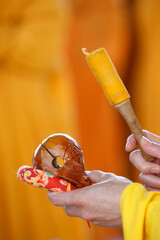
36,100
140,213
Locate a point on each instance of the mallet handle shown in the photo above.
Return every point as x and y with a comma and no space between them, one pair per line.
126,110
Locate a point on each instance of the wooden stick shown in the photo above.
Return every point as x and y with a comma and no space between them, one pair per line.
106,74
126,110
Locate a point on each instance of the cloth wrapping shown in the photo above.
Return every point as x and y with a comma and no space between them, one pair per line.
43,179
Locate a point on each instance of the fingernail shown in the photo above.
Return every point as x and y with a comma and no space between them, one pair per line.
127,144
146,141
155,169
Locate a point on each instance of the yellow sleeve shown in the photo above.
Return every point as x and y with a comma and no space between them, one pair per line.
140,211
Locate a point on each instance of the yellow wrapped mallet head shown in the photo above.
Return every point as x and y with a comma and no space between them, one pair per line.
106,74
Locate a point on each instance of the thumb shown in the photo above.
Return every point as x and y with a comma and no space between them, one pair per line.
98,176
152,148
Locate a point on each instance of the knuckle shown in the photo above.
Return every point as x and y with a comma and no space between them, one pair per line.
68,212
144,168
52,199
146,132
157,146
109,176
85,215
97,173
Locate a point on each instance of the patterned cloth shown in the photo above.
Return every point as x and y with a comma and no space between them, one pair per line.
43,179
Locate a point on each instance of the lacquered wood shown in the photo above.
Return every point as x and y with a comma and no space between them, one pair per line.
126,110
65,147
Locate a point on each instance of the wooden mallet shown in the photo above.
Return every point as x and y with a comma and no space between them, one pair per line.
106,74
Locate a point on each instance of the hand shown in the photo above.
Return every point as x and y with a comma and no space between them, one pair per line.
98,203
150,171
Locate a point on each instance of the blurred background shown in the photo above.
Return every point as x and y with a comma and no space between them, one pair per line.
46,87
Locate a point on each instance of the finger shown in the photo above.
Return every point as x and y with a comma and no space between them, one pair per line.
152,148
141,164
63,198
152,181
152,189
131,143
99,176
71,211
157,161
153,137
74,211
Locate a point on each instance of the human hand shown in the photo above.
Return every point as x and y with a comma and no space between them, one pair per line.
150,171
98,203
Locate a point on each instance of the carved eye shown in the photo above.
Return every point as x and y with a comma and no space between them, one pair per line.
58,162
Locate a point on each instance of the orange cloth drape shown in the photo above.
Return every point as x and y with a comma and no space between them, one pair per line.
36,100
46,87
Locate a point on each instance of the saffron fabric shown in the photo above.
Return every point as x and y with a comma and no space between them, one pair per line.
36,100
140,213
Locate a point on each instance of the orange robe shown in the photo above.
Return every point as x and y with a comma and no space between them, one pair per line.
36,100
140,213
